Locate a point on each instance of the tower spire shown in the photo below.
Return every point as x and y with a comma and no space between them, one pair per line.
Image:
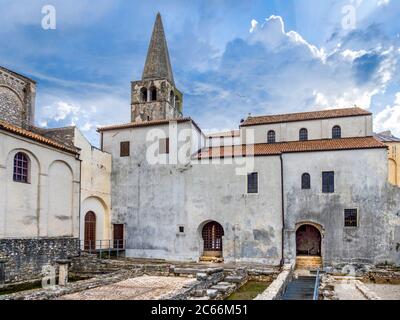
158,65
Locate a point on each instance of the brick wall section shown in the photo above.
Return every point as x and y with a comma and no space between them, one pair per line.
25,258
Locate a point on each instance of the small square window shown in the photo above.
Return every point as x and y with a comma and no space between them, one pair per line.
181,229
125,149
252,182
351,218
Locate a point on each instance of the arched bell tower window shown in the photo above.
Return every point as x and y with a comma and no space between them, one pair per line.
153,94
21,168
143,95
172,98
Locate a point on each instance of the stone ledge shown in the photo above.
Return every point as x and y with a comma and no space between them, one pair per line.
278,286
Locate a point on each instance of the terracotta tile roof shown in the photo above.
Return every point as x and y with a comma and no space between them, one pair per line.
232,133
268,149
146,124
302,116
37,137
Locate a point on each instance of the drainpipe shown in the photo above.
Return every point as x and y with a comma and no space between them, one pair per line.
283,211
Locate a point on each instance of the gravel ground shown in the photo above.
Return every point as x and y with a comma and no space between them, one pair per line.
385,291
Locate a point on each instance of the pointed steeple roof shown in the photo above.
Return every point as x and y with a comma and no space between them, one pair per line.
158,64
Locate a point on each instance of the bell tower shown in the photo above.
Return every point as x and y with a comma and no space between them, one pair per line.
155,97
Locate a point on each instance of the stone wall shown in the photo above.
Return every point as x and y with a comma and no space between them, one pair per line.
23,259
17,98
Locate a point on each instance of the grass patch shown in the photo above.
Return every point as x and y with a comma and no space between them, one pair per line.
249,291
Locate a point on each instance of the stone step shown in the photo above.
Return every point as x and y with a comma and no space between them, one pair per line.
211,259
235,279
223,288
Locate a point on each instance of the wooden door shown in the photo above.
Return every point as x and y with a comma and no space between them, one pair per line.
118,236
90,231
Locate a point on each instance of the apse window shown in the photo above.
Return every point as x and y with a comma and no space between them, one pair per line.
125,149
164,146
252,183
351,218
21,168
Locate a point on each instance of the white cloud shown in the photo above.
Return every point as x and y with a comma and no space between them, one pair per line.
389,118
383,2
254,24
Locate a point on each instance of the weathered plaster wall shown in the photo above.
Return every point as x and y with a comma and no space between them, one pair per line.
95,188
49,204
154,200
360,182
359,126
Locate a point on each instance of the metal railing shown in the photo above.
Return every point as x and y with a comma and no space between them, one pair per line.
316,287
101,247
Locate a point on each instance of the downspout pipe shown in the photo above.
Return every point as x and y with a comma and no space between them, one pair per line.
283,213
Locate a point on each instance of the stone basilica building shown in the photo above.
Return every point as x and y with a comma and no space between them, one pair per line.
310,187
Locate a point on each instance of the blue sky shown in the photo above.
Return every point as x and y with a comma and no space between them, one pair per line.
230,58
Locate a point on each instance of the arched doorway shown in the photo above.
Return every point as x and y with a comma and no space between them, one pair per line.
90,231
212,234
308,241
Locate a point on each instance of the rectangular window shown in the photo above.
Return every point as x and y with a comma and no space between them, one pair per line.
164,146
328,182
350,218
252,182
181,229
125,149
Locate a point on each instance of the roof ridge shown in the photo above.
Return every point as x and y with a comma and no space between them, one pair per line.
305,112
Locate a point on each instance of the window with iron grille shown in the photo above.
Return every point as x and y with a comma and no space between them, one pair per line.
252,182
21,168
303,134
328,182
336,132
164,146
271,136
125,149
350,217
306,181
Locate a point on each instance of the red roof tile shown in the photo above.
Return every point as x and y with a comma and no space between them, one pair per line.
302,116
37,137
267,149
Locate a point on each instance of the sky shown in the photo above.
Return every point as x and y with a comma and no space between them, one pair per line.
230,58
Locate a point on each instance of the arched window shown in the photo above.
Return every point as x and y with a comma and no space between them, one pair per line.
271,136
306,181
172,98
336,132
153,94
21,168
143,94
303,134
